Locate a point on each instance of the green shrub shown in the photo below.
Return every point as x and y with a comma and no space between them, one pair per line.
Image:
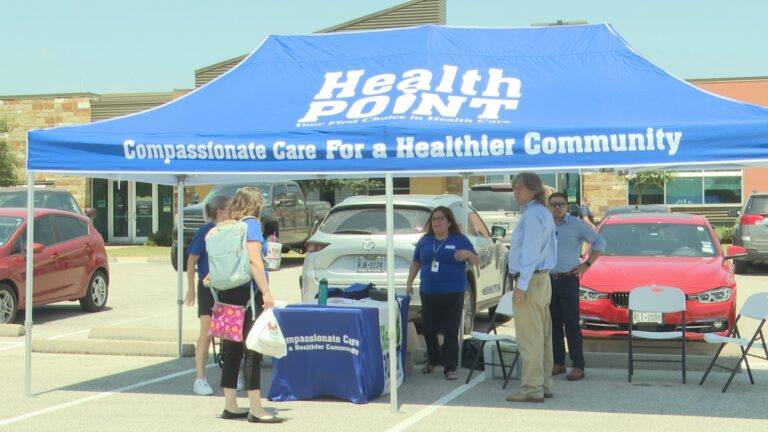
159,238
725,234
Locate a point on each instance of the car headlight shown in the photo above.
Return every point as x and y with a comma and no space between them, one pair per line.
717,295
587,294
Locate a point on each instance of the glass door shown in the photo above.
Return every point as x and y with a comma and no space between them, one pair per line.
132,213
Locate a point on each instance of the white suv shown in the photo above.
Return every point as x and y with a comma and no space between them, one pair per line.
350,247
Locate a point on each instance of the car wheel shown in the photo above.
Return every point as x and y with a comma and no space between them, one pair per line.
8,304
469,311
96,295
740,267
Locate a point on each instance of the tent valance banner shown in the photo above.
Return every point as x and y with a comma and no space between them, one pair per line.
420,101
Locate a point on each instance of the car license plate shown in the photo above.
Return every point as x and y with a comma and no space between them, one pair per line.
646,317
370,263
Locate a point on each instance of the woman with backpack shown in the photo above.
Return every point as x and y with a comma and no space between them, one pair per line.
215,211
246,206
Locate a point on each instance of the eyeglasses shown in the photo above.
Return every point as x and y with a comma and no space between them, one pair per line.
558,204
438,218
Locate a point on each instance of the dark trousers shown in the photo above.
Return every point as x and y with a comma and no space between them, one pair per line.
233,351
441,313
564,309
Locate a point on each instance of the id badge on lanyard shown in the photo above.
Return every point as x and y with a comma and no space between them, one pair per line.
435,266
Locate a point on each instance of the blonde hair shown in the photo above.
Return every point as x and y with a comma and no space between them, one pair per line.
246,202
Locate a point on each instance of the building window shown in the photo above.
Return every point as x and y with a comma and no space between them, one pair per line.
692,188
650,194
400,186
684,190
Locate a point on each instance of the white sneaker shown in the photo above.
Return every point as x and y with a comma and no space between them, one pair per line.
240,382
202,388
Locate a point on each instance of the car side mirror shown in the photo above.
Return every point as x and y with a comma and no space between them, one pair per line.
734,251
733,213
90,212
498,232
36,248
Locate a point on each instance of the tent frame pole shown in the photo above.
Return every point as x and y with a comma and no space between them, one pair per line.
391,295
179,261
29,283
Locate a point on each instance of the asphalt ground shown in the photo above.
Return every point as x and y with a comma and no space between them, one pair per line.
119,392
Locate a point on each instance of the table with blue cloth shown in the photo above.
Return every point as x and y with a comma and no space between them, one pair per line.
339,350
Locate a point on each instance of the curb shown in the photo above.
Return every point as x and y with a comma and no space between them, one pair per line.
142,334
12,330
107,347
138,259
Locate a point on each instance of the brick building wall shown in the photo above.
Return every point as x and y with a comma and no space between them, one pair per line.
24,113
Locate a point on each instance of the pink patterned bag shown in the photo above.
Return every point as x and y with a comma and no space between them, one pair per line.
227,321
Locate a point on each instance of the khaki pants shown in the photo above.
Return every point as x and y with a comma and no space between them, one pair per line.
533,326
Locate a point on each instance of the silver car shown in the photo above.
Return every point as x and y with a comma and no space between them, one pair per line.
350,246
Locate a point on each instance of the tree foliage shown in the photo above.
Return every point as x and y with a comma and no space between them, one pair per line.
645,179
9,164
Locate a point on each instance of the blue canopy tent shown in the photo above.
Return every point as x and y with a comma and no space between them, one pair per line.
420,101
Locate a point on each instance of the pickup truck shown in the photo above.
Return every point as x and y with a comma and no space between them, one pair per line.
496,204
286,214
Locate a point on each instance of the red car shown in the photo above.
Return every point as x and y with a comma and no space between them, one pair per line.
675,250
69,258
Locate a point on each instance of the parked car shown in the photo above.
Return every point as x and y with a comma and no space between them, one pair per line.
70,262
350,247
676,250
496,205
50,198
636,208
286,214
751,231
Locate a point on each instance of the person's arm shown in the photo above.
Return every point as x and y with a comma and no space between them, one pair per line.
259,273
467,254
531,229
189,299
413,269
597,246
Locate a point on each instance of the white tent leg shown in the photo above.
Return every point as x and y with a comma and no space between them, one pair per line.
179,259
464,222
29,285
391,297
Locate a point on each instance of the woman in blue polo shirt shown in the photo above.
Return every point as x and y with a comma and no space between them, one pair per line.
215,211
441,258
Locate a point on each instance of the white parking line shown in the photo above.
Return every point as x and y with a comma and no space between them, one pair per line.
54,408
12,346
412,420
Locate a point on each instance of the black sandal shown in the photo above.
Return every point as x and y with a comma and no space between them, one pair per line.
427,368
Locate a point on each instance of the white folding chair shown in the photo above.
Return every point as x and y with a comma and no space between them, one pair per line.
649,304
756,307
504,308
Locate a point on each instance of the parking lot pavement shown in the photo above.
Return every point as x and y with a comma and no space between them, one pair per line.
116,393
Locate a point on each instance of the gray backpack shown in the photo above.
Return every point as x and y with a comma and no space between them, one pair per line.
228,262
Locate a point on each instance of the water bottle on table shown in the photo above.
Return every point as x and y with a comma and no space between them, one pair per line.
322,293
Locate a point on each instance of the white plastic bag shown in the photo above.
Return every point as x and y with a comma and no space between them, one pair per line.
266,337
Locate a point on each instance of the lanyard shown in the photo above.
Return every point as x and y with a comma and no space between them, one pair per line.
435,249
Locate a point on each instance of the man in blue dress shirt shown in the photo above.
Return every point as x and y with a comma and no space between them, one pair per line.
571,233
532,254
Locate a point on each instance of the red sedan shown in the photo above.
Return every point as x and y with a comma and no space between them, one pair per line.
70,262
675,250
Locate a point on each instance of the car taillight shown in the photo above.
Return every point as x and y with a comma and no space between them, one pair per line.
751,219
312,246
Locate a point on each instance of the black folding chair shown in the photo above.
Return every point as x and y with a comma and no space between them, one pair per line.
504,308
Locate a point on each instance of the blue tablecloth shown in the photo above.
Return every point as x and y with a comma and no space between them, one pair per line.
336,351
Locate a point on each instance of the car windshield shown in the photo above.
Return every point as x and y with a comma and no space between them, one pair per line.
658,239
43,199
230,189
372,220
493,198
757,205
8,226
